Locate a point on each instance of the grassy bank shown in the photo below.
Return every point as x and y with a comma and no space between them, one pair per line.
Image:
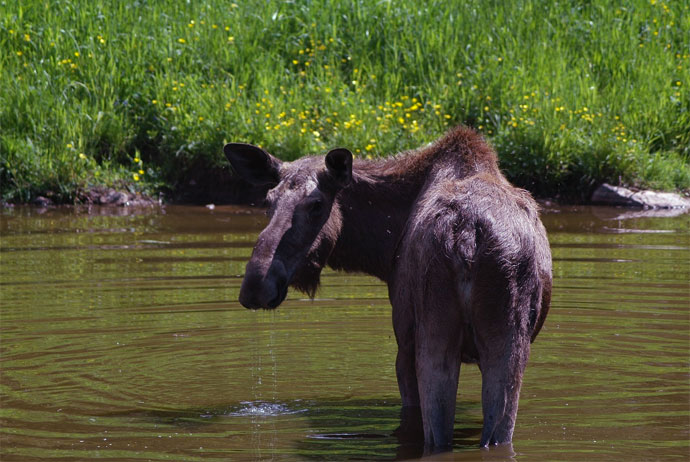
144,93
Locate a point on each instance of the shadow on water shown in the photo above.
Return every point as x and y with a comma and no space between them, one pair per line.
375,430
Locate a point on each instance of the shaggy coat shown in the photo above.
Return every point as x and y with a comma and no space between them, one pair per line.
464,254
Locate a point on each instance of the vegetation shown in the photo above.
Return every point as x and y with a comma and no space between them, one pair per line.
139,93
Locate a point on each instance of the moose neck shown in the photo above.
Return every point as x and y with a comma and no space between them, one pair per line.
376,206
374,209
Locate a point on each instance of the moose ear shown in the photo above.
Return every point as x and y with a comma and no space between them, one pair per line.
253,164
339,165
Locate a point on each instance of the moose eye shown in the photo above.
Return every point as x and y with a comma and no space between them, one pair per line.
315,207
270,207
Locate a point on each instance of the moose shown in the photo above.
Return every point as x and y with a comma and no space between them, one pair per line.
463,252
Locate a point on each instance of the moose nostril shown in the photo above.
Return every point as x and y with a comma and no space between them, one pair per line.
274,303
248,300
251,290
281,293
276,284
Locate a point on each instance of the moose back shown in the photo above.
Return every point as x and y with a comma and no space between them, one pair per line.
463,252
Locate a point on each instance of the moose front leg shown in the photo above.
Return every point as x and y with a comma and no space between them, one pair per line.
410,415
403,325
438,354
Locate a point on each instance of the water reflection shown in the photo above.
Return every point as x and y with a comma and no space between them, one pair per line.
122,339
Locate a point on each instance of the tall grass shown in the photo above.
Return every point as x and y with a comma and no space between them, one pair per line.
141,93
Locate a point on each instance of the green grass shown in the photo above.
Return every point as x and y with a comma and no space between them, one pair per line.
141,93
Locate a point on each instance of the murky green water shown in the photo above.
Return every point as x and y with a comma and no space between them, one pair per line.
121,338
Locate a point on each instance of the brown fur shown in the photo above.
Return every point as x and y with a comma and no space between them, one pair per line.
463,252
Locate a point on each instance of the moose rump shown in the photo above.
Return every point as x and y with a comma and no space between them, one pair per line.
467,288
464,254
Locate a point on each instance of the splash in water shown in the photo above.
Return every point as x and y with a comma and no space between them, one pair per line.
263,409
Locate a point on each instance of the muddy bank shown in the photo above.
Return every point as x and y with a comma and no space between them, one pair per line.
102,195
219,187
203,187
222,188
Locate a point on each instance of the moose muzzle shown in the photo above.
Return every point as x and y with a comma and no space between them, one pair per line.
264,289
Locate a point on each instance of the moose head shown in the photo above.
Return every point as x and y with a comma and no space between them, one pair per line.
304,220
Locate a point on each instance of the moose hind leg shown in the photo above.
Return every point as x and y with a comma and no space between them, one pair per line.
501,381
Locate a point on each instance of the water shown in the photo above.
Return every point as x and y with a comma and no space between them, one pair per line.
122,339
